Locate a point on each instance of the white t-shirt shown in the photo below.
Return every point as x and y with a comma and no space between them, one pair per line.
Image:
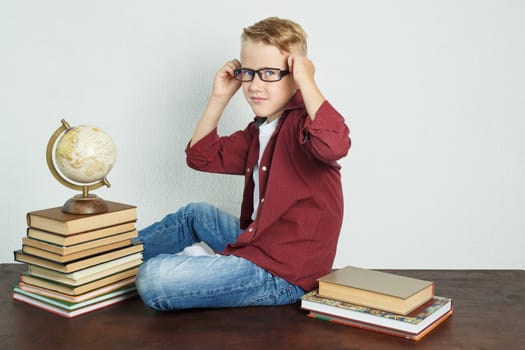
265,133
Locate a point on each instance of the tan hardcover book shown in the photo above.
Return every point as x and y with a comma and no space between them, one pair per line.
375,289
28,249
77,290
61,250
77,264
81,237
55,220
63,278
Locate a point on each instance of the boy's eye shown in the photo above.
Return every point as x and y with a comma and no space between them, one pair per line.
268,73
243,74
247,73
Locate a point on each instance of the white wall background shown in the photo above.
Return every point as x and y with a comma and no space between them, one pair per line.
434,93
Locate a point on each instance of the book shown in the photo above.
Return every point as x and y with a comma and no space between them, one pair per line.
83,237
87,272
77,298
60,309
77,290
375,289
411,326
379,328
60,258
55,220
58,248
65,279
67,305
76,265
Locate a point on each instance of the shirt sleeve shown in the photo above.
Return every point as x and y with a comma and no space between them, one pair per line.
216,154
327,137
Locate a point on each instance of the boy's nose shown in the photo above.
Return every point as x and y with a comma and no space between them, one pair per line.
256,83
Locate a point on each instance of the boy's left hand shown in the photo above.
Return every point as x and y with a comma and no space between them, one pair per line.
302,70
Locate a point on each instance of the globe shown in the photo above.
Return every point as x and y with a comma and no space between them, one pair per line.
80,158
85,154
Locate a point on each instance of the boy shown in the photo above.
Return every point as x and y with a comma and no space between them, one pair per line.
292,205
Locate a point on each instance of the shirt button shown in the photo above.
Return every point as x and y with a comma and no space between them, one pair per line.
247,170
250,229
262,200
264,168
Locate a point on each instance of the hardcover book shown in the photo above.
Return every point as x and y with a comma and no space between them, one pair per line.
379,328
66,305
55,220
77,264
87,272
77,298
70,310
81,289
29,248
351,314
72,280
127,228
375,289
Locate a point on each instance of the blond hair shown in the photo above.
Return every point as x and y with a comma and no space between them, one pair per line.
284,34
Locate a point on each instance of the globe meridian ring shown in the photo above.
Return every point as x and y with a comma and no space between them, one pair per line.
84,188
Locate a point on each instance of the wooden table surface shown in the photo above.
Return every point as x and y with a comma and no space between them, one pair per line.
489,313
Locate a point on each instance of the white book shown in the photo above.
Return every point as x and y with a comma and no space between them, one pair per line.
414,323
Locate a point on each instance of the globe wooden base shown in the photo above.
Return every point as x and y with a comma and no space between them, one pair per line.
85,205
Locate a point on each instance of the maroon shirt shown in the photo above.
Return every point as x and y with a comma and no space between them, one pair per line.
295,233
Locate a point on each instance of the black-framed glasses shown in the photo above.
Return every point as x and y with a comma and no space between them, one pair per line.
265,74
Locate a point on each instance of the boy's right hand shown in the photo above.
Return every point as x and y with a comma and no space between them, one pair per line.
225,85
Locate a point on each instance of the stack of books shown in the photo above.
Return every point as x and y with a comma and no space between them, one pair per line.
378,301
79,263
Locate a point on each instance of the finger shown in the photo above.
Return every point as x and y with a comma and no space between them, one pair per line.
232,65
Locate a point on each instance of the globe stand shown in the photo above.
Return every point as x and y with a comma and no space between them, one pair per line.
84,203
92,204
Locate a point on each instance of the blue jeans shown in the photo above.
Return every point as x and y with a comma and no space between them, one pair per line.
167,281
